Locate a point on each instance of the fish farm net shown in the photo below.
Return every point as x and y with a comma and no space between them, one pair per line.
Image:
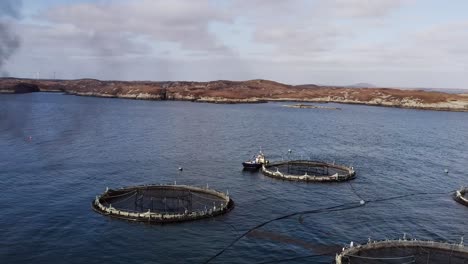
461,196
404,251
162,203
306,170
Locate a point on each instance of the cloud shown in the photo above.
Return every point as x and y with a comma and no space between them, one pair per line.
74,42
119,28
361,8
114,36
301,28
448,38
183,22
299,9
301,41
290,41
441,47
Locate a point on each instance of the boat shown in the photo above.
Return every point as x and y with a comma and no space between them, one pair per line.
255,163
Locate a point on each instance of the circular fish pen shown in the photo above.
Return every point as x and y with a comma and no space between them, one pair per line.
461,196
403,251
162,203
309,171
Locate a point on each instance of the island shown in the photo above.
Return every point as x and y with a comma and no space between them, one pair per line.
251,91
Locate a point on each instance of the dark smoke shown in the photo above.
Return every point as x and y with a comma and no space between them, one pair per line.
9,41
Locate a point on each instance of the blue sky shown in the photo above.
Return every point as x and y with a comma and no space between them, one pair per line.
393,43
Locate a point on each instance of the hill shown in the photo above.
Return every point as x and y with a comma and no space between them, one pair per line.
252,91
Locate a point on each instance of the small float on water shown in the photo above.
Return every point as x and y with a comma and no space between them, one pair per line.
256,162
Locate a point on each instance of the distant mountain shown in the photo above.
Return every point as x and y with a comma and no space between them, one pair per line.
361,85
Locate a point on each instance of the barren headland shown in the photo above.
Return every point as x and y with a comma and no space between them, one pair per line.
252,91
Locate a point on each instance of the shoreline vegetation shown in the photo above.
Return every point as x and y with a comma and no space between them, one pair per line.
234,92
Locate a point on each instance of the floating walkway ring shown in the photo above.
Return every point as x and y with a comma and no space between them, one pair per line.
308,171
460,196
162,203
403,251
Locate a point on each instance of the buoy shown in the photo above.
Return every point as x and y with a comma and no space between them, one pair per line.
362,202
446,171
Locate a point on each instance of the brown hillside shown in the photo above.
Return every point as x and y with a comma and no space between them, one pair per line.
242,91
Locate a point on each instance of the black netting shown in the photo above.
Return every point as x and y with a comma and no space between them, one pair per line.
162,200
400,255
298,168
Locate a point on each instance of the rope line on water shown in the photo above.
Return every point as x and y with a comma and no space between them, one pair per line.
354,191
341,207
329,209
295,258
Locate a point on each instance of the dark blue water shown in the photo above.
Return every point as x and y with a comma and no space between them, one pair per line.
81,145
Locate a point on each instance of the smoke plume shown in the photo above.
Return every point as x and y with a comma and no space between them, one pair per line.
9,41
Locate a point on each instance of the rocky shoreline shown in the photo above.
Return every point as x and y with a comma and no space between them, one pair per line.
232,92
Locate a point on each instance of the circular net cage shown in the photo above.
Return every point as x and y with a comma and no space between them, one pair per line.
306,170
162,203
404,251
461,196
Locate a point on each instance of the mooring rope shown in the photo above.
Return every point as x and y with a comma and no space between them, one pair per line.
295,258
355,192
342,207
328,209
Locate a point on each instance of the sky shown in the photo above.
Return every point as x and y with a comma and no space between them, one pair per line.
388,43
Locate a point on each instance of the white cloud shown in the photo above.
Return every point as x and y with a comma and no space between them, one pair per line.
361,8
302,28
67,40
448,38
183,22
291,41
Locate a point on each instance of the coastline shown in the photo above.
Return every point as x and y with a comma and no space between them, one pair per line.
244,92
